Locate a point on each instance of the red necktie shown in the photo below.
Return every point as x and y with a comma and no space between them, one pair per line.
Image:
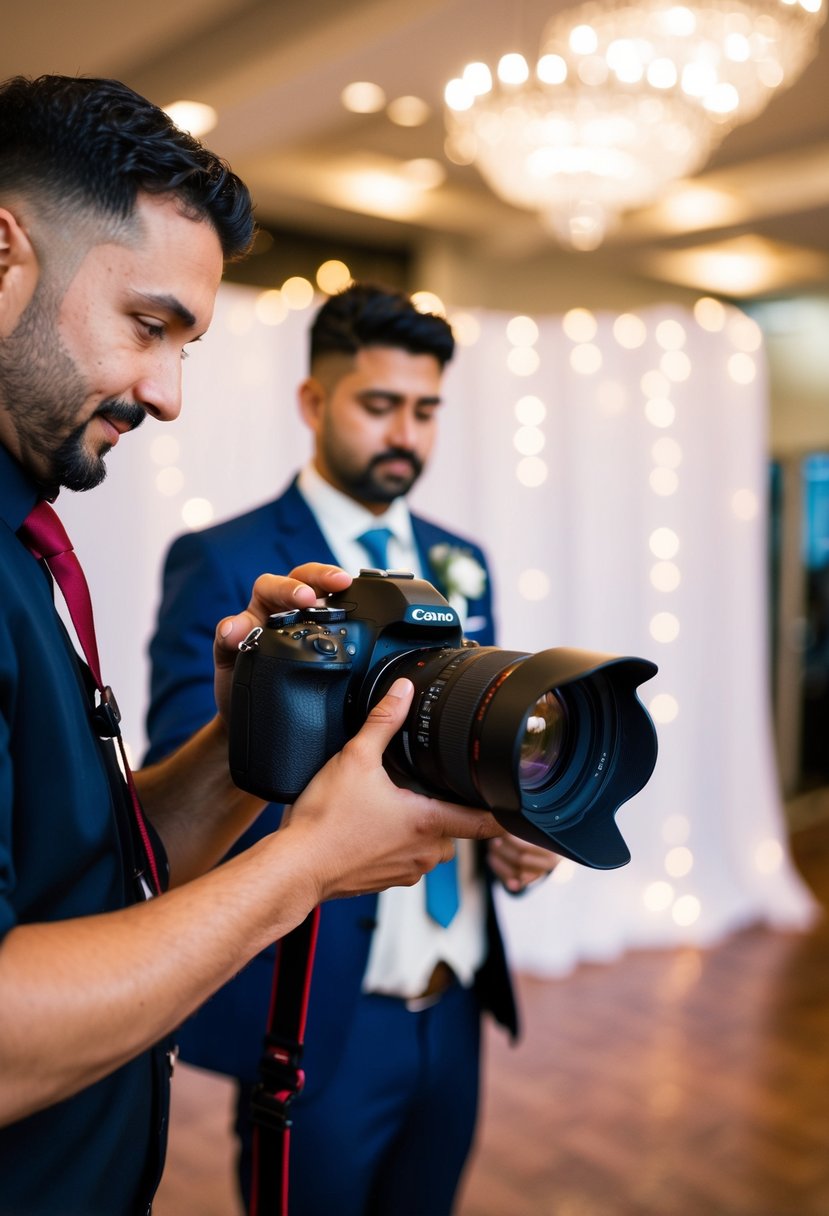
45,536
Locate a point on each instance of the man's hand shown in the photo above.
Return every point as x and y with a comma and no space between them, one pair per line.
364,833
304,587
517,863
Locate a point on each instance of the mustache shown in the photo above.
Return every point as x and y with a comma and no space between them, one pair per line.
122,411
398,454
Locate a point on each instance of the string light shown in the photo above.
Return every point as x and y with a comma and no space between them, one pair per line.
664,543
197,512
333,276
465,327
630,331
271,307
522,331
742,368
664,482
580,325
298,293
670,335
529,440
710,314
676,365
531,472
530,411
169,481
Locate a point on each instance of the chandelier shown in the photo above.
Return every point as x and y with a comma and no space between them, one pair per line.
623,100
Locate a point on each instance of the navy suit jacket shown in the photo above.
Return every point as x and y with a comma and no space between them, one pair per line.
209,575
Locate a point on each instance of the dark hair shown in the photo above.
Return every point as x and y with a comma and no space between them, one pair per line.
95,144
366,315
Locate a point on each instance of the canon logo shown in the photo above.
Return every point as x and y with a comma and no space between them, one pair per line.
429,614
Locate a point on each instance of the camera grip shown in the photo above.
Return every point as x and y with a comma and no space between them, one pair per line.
284,728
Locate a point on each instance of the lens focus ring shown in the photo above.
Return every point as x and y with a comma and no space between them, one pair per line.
452,733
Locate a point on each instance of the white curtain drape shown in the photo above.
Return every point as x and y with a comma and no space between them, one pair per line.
615,470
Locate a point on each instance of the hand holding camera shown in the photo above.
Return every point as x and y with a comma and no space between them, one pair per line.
270,593
551,743
367,834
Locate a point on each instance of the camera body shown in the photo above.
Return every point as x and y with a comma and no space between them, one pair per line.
300,687
552,743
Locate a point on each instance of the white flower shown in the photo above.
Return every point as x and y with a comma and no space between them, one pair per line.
460,573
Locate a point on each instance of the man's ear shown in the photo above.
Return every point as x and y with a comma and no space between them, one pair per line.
311,396
19,271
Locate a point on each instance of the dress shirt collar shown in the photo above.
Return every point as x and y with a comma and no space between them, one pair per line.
342,519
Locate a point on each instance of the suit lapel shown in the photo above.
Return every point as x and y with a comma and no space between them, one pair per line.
426,536
298,537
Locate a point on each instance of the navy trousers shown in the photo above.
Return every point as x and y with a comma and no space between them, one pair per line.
389,1134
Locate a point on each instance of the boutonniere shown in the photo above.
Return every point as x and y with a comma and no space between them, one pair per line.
460,574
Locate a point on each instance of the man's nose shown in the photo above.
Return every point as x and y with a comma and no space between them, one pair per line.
159,391
402,432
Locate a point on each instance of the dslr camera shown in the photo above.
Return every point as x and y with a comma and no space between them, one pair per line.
552,743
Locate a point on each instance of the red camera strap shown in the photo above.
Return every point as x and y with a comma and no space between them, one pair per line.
45,537
281,1077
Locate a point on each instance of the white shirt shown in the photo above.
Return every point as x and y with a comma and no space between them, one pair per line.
407,943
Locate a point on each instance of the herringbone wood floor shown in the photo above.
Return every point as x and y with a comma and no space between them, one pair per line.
681,1083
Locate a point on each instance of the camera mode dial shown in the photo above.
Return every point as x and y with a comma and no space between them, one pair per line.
324,616
282,620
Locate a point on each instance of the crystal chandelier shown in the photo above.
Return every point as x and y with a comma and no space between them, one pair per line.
624,99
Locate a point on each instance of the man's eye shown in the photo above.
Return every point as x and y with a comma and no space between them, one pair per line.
151,328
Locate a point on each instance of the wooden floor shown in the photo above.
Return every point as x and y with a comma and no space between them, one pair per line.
681,1083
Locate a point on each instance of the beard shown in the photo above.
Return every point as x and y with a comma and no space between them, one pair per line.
373,484
79,469
44,393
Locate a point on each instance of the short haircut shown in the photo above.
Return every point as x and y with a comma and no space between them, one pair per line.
367,315
95,144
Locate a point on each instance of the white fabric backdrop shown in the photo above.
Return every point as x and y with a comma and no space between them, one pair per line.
647,469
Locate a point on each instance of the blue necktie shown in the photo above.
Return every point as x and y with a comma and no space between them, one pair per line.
442,882
442,892
376,544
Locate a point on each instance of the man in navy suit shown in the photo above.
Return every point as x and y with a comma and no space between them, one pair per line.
386,1120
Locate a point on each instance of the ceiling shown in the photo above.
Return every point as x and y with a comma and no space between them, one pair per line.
274,70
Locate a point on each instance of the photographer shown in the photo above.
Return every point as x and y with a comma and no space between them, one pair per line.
114,226
392,1042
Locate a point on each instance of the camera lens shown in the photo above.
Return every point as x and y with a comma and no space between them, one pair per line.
544,742
552,742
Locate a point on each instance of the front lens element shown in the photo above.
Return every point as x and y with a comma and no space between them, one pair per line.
544,741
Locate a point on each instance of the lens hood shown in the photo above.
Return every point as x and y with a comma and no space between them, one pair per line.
611,753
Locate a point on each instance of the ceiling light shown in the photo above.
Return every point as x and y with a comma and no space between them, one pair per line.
333,276
377,192
624,99
363,97
428,302
297,292
423,172
408,111
742,267
694,208
194,117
